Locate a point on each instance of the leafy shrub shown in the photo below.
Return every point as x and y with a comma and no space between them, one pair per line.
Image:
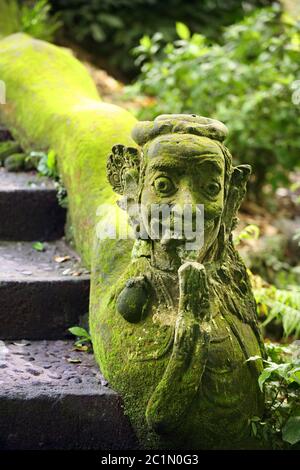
31,17
281,305
247,83
280,380
83,338
250,232
46,165
117,26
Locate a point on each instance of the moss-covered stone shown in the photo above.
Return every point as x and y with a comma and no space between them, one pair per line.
15,162
52,103
179,360
8,148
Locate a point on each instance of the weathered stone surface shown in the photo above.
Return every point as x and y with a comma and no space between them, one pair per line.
52,397
40,297
29,209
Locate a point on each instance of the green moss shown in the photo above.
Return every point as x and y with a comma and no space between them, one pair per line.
15,162
52,103
8,148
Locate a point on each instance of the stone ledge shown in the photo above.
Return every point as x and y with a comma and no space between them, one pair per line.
52,397
24,181
40,298
29,209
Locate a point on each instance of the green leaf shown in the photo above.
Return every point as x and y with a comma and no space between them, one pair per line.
37,154
254,428
295,375
38,246
51,160
183,31
250,232
291,430
97,32
253,358
80,332
111,20
42,166
146,42
262,378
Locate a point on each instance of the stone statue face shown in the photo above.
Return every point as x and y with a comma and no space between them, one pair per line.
185,169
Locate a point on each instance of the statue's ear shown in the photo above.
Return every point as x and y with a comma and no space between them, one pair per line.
123,168
236,193
240,175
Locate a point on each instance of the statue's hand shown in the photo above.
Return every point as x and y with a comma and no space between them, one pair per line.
193,290
183,374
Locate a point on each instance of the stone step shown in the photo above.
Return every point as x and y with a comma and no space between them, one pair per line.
53,397
42,294
29,209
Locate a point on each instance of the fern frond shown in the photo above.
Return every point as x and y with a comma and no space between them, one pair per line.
282,305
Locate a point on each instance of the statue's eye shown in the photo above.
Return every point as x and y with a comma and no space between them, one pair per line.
213,188
164,185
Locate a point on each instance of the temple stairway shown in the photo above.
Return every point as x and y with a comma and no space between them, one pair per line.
51,395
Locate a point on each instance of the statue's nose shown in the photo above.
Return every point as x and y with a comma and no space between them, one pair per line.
185,196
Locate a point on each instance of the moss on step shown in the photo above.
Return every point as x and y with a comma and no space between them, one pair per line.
52,103
15,162
8,148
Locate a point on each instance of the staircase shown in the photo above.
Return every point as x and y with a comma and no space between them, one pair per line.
51,395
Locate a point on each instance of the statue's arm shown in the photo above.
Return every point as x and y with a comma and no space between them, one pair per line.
184,372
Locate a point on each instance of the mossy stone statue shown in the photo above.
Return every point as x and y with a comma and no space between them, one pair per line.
172,329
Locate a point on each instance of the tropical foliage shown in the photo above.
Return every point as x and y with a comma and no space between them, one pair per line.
115,27
249,82
280,380
31,17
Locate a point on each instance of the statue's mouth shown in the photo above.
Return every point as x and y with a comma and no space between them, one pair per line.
190,242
